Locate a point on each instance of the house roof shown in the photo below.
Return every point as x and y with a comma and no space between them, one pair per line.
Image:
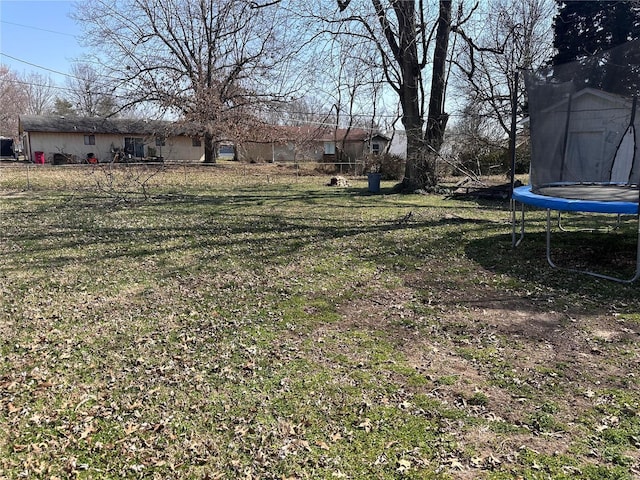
317,133
93,125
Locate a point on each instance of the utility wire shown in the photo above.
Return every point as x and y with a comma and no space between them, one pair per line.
107,82
41,85
37,66
37,28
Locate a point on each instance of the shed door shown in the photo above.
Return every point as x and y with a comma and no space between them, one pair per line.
584,157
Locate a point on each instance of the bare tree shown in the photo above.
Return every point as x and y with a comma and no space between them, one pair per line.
40,93
308,109
473,136
348,81
512,35
407,41
13,100
214,63
89,92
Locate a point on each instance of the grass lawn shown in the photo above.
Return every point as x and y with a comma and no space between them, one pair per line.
251,322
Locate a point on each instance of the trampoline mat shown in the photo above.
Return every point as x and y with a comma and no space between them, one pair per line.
592,192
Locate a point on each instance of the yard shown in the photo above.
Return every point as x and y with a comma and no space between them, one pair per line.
245,322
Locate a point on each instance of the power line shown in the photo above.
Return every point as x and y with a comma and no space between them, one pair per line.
105,83
42,85
38,66
37,28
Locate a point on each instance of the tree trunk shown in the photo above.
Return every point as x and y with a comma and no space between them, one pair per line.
210,148
421,171
437,119
407,57
414,169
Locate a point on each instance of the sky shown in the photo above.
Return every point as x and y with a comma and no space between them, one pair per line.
39,36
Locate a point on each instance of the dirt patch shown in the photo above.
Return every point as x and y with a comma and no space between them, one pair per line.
506,361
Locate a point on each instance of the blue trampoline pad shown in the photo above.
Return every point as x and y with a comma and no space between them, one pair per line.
595,198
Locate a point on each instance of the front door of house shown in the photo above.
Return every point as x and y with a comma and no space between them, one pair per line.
134,146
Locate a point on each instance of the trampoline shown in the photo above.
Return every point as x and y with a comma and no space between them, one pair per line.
605,199
584,148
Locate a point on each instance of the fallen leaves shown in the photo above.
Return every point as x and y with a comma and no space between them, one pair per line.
366,425
404,465
207,336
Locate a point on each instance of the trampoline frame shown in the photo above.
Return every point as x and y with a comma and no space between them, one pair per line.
524,196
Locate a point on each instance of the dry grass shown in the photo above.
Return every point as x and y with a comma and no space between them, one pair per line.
247,321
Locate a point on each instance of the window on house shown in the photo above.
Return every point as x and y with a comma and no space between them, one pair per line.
196,142
375,148
159,141
329,148
89,139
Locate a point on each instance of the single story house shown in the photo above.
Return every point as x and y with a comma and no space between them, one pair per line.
312,143
57,140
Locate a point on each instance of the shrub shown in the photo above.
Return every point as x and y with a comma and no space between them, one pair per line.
496,161
391,167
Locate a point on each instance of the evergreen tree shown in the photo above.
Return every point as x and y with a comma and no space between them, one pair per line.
63,108
585,28
602,39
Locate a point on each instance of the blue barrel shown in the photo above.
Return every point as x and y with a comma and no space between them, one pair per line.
374,182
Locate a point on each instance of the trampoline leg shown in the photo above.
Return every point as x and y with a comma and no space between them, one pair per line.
553,265
595,274
637,275
516,241
560,226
